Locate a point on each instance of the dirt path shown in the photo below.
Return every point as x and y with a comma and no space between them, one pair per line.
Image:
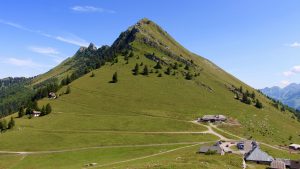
266,144
98,147
211,131
143,157
125,132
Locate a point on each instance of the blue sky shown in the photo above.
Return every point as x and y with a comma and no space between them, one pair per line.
256,41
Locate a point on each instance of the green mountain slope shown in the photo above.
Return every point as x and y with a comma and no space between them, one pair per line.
146,114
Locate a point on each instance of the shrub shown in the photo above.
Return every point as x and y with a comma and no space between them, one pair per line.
145,71
68,91
115,78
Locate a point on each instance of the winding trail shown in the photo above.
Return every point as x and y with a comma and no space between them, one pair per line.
98,147
211,129
143,157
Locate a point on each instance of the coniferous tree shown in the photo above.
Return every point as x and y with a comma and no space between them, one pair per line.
11,123
21,112
253,95
43,111
175,66
3,125
136,69
131,54
48,109
188,76
68,80
187,67
168,71
145,71
28,111
157,66
247,93
258,104
92,75
246,100
115,78
68,91
241,89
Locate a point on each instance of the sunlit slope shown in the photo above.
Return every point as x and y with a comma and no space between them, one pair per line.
143,109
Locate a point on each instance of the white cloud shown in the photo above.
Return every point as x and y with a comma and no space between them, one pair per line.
294,70
22,62
89,9
74,40
288,73
294,45
44,50
284,83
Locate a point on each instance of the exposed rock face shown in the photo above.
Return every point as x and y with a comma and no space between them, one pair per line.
92,47
81,49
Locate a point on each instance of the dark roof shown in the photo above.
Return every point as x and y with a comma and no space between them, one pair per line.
294,164
258,155
213,117
216,148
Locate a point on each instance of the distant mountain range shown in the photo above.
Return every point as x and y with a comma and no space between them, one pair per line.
289,95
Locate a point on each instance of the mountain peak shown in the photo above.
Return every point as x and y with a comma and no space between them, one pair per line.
143,21
92,46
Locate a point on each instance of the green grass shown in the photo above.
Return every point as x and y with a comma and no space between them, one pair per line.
99,113
184,158
78,159
280,154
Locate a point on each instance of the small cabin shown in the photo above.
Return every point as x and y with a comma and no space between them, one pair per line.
294,146
212,118
215,148
36,113
52,95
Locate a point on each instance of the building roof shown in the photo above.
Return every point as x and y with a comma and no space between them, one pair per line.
36,112
249,145
295,145
216,148
213,117
277,164
258,155
295,164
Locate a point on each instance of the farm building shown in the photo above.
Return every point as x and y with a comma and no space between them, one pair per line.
215,148
294,146
258,156
277,164
292,164
36,113
212,118
52,95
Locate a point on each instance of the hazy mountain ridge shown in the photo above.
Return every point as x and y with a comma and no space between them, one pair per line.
289,95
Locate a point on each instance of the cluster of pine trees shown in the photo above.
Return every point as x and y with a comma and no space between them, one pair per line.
247,97
171,69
